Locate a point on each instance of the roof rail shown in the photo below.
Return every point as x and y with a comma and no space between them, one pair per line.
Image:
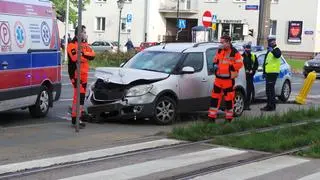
200,43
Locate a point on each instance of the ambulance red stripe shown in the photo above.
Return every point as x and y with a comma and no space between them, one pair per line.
13,8
23,78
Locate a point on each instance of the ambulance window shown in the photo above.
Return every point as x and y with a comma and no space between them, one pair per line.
194,60
210,53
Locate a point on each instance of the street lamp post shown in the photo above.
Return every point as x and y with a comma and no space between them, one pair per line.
120,6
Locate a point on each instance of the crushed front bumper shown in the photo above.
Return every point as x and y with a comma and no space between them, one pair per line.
128,108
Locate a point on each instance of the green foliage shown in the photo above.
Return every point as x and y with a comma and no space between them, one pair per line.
107,59
73,11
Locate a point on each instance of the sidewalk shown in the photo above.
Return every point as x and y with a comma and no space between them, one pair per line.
32,142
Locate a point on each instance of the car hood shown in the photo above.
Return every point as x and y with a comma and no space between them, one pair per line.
314,61
128,76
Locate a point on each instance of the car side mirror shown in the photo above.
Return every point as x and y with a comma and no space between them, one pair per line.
260,69
188,70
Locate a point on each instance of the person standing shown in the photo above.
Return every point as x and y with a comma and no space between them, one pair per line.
271,70
227,63
251,65
87,54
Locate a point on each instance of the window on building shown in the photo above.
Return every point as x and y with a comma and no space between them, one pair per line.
273,27
237,32
100,23
225,29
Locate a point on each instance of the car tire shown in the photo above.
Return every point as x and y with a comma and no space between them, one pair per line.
41,108
165,111
285,91
239,100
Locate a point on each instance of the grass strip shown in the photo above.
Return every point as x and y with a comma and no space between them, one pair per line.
296,64
312,152
275,141
200,130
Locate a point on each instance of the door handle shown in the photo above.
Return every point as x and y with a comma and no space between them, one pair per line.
5,64
204,80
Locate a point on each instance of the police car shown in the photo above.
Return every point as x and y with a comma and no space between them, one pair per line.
30,64
283,84
168,79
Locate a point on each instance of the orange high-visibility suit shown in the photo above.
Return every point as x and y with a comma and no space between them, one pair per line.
228,63
87,54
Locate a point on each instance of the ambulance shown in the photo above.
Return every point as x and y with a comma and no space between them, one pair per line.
30,57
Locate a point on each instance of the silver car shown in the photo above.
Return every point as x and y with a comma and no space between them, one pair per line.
159,83
104,46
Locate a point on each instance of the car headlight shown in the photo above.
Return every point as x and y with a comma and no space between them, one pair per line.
139,90
306,64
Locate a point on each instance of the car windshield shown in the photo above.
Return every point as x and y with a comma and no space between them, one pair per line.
154,61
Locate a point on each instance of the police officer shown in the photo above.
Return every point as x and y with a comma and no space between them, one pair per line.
251,65
271,70
87,54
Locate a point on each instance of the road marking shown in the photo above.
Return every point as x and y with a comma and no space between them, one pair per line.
254,169
315,176
160,165
41,163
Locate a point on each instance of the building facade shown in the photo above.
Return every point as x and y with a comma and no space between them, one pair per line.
295,23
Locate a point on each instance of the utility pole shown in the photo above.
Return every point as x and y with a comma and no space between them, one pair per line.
78,62
178,5
264,22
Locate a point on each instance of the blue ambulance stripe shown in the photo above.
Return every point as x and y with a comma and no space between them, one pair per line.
33,60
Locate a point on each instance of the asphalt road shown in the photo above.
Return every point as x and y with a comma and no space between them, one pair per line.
59,113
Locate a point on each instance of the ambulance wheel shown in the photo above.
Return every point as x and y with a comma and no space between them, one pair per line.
41,108
285,91
238,103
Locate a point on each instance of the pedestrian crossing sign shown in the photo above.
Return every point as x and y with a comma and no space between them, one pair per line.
182,23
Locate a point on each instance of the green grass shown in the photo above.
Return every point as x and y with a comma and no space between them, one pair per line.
275,141
199,130
296,64
313,152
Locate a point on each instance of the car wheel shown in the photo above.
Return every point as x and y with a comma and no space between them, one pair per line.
41,108
285,92
165,111
238,103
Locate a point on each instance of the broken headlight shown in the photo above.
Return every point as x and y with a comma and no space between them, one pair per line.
139,90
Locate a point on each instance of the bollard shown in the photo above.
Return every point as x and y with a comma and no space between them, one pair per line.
301,98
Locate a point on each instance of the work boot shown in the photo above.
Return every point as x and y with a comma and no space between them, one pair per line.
267,108
81,124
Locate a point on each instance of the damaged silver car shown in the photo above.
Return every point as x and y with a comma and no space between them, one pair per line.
158,83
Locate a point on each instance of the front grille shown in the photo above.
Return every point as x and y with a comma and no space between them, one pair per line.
107,91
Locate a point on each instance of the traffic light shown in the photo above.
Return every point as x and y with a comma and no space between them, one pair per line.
251,32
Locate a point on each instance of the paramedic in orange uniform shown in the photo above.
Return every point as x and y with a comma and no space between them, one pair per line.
87,54
227,63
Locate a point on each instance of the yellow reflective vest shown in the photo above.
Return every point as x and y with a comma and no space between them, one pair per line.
272,63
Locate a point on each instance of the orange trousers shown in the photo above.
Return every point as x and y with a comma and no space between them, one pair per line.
83,89
222,87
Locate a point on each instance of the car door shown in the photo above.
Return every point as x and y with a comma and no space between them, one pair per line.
193,87
259,81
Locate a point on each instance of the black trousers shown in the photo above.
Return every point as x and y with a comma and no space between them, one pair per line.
271,79
250,89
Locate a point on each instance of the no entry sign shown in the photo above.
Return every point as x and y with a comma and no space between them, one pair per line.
207,19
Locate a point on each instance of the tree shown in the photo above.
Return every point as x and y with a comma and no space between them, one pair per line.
61,5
